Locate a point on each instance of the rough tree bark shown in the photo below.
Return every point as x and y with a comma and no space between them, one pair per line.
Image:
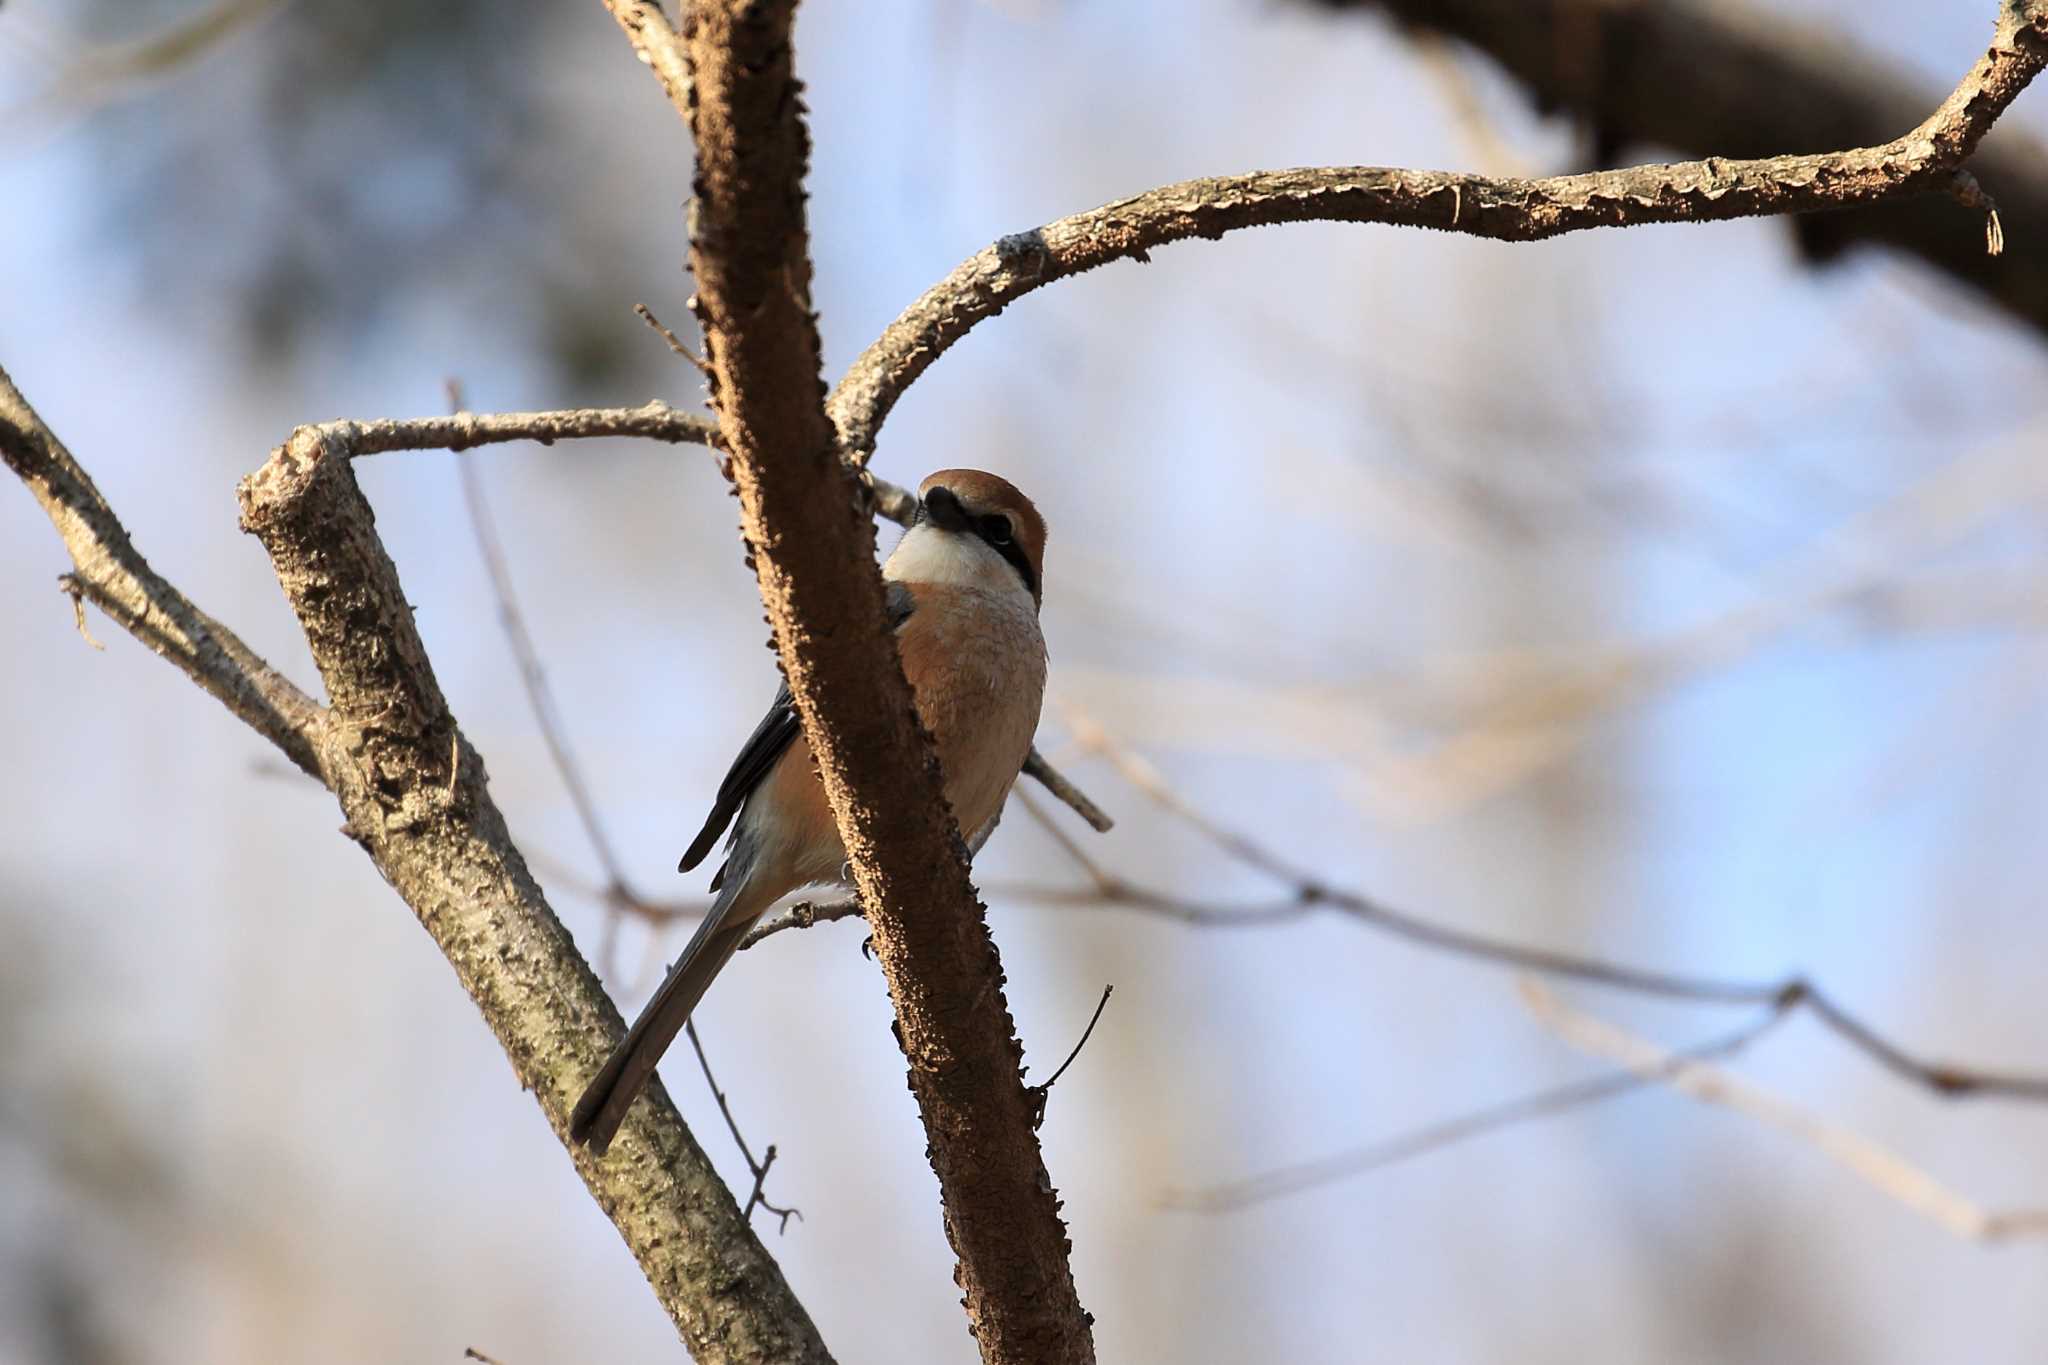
416,800
811,534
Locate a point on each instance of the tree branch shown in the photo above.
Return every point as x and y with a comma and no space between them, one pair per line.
1923,161
655,421
416,799
1306,893
806,520
617,895
1283,1181
656,44
112,574
1704,76
1885,1171
463,430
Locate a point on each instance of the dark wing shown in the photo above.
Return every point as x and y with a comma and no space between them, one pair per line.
776,732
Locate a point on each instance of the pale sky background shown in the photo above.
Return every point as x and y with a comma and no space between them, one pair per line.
1318,495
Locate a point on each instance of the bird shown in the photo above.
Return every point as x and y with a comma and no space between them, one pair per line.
963,589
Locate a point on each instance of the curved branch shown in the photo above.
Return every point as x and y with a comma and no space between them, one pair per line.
112,574
1923,161
807,523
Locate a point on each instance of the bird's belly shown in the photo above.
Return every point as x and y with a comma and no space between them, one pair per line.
979,680
978,674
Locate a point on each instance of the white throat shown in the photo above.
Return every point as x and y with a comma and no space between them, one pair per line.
927,554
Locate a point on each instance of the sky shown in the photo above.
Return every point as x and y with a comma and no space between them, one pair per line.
1648,594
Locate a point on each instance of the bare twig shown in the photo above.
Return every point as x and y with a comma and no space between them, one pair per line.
675,343
1418,1142
1043,1092
1883,1170
655,421
1054,782
617,895
1307,893
802,915
1923,161
757,1197
805,914
533,679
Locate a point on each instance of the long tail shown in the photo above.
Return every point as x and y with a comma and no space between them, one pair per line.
625,1074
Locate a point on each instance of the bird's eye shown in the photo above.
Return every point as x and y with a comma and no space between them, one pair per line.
996,529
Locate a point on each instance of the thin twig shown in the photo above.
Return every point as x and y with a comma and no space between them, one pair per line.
618,896
1418,1142
1041,1093
1054,782
757,1197
675,343
654,421
539,696
1308,892
802,915
1882,1169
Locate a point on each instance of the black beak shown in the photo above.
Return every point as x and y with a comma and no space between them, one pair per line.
944,511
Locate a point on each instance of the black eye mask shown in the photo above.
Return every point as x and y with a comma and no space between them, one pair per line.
942,508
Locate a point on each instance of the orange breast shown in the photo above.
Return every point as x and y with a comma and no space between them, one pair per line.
976,664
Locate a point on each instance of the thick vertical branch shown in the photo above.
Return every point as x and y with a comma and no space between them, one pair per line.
813,545
416,799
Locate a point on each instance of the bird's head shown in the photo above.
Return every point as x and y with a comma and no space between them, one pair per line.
975,530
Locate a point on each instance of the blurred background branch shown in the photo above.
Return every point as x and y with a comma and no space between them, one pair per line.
1735,78
1884,1171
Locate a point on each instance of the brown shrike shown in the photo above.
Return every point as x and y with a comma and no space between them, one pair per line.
963,587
